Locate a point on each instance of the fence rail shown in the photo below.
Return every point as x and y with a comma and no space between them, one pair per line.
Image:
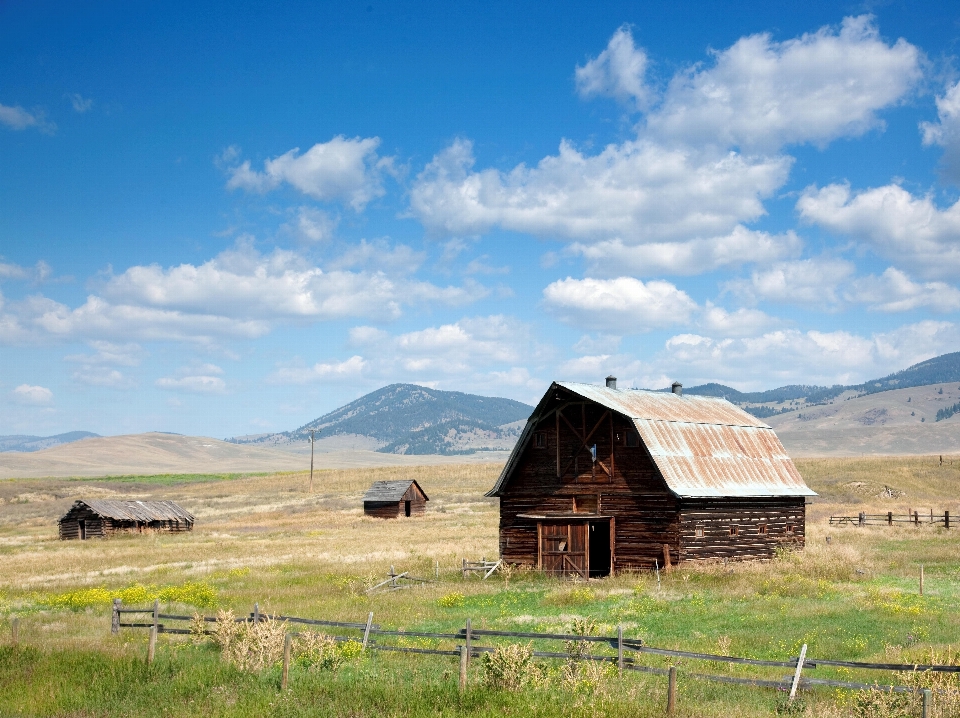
889,519
618,643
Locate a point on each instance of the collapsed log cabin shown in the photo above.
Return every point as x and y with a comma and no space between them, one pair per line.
99,518
392,499
605,480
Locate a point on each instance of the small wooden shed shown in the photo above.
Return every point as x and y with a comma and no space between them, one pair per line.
392,499
98,518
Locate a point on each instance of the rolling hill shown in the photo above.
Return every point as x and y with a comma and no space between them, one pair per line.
23,443
412,419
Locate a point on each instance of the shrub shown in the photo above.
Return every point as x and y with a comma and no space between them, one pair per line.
256,646
880,703
317,650
510,667
451,600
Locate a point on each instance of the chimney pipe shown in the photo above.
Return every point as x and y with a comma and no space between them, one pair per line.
611,382
677,388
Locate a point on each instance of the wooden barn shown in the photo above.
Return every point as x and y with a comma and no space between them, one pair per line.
392,499
604,480
98,518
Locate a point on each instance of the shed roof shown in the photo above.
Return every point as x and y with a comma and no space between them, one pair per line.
135,510
704,446
391,490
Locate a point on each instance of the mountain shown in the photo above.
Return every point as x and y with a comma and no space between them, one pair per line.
412,419
762,404
22,443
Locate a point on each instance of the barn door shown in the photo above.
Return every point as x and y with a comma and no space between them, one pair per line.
564,549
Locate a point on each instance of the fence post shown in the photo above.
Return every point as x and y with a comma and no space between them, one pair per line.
927,702
463,567
620,649
15,630
115,618
862,518
889,518
946,519
464,657
285,676
152,646
256,613
366,631
156,612
916,518
672,690
469,641
796,676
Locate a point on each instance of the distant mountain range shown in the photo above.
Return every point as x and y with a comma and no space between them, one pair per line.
762,404
22,443
412,419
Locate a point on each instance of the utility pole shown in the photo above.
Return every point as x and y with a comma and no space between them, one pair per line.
311,461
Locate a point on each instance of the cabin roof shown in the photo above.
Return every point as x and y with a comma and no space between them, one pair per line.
135,510
391,490
705,447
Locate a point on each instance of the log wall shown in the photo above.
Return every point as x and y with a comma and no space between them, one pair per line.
96,526
715,517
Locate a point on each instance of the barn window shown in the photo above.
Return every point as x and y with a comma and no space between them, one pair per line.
789,528
698,532
762,529
587,504
734,530
539,440
632,438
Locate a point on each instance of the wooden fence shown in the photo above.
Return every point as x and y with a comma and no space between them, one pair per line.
626,651
889,519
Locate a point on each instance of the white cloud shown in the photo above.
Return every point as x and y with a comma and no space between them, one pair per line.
812,282
946,131
760,94
624,305
619,71
380,255
17,118
741,322
128,354
312,225
342,169
200,384
12,271
894,291
80,103
636,191
103,377
28,394
911,231
695,256
349,369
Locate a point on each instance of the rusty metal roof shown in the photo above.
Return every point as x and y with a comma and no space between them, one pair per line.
703,446
391,490
143,511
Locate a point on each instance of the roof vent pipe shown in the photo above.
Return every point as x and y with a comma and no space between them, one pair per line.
611,382
677,388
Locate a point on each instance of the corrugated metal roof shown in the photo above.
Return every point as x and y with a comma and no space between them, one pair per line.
704,446
390,490
144,511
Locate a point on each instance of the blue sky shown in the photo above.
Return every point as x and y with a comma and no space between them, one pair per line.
229,219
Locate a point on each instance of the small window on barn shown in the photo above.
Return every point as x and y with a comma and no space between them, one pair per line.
539,440
762,529
734,530
632,438
587,504
698,532
789,528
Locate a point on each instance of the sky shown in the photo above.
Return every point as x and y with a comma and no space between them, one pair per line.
229,219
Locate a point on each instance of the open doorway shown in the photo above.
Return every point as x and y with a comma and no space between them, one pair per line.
406,508
599,549
83,529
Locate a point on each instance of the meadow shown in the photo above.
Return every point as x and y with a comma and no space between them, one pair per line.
265,539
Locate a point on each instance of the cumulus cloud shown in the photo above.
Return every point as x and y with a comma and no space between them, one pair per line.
624,305
790,356
351,368
619,71
195,379
718,321
812,282
946,131
894,291
129,354
312,225
347,170
695,256
637,191
760,94
29,394
910,230
80,103
380,255
103,377
17,118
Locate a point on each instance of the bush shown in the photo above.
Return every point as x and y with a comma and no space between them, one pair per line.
510,668
880,703
451,600
249,646
317,650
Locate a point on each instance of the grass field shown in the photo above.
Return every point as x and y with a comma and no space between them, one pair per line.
263,538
